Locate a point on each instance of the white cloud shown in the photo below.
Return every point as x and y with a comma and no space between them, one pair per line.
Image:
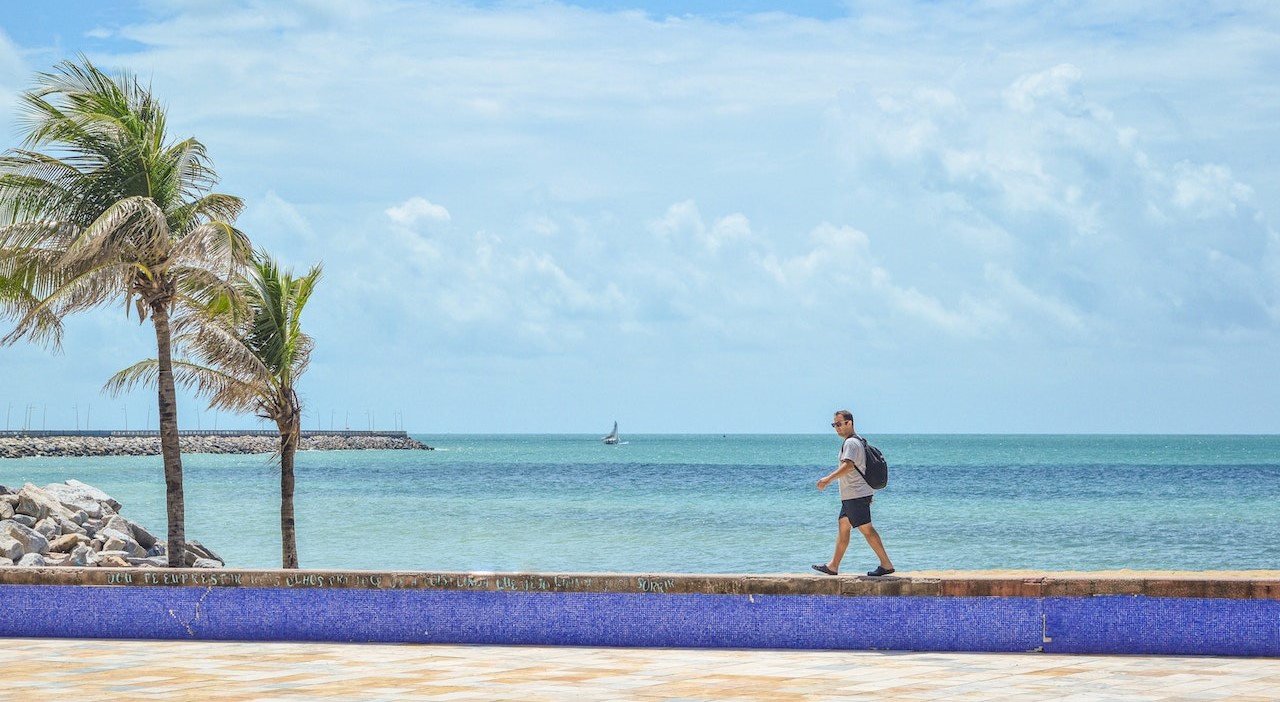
1058,87
680,219
728,231
683,221
896,122
840,267
417,209
1207,190
540,224
505,294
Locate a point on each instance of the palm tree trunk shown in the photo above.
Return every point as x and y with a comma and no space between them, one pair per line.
288,532
174,504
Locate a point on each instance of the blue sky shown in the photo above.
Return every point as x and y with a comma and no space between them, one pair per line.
545,216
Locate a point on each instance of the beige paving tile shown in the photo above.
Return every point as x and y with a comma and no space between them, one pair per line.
167,670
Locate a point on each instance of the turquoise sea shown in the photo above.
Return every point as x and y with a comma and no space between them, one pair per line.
723,504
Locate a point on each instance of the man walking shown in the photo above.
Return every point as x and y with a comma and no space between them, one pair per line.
855,499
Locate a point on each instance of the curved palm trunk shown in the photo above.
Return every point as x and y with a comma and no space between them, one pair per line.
175,505
289,432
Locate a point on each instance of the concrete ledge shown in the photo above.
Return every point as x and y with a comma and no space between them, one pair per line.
1238,616
1236,586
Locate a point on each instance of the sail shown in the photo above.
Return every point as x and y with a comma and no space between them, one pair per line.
612,437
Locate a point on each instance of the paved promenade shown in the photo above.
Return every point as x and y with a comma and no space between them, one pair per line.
61,669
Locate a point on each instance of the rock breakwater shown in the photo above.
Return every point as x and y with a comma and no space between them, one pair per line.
23,446
74,524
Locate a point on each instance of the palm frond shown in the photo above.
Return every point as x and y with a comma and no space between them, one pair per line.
188,169
221,346
214,246
223,391
35,185
71,291
18,302
36,236
201,296
141,374
131,229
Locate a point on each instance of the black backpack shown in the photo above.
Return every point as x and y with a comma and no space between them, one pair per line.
877,473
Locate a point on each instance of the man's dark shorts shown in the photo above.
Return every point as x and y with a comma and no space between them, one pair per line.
858,510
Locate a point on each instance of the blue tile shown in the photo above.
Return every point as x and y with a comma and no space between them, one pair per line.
1163,625
1000,624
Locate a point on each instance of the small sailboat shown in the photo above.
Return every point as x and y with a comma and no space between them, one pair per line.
612,437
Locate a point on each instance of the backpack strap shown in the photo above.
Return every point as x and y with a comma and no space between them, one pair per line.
864,458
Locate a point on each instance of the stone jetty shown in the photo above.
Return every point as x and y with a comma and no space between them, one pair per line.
74,524
22,445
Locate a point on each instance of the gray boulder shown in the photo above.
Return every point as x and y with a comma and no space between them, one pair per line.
72,528
145,539
10,548
67,543
32,541
117,523
56,559
6,509
30,506
80,556
74,493
117,540
33,560
25,520
197,548
37,503
48,528
151,562
113,559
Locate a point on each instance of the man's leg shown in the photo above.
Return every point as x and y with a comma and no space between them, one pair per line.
842,543
873,540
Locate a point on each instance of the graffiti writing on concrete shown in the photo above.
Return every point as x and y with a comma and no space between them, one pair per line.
354,580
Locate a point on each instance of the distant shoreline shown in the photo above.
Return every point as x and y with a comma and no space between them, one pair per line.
87,443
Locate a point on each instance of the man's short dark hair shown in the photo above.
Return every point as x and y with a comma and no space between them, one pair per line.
845,414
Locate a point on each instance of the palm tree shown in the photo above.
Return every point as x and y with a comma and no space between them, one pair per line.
112,211
249,363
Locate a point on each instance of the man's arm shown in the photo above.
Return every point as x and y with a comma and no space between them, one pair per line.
846,467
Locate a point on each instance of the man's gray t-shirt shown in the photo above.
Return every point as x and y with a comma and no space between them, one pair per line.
852,485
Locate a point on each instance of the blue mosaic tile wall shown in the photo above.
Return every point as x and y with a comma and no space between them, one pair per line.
1163,625
1007,624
